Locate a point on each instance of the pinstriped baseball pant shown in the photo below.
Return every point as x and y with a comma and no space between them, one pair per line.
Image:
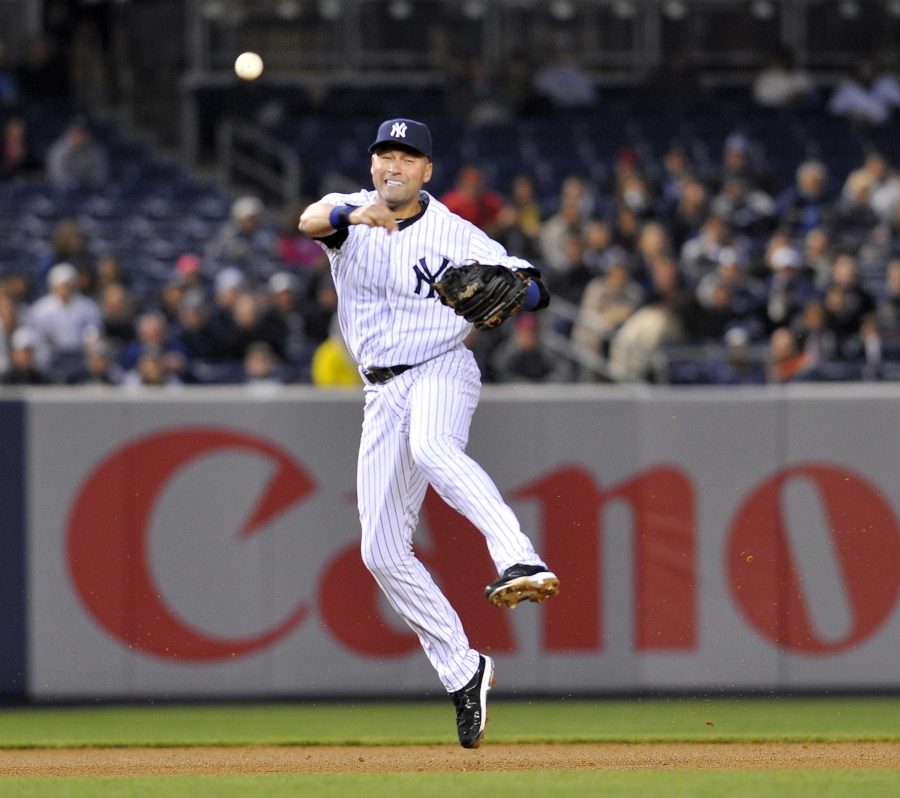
414,434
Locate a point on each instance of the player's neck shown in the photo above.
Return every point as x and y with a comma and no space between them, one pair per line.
407,210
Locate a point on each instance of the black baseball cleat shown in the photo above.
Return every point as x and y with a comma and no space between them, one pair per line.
471,704
519,582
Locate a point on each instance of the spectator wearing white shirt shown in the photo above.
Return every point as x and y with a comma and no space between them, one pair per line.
781,82
62,317
866,96
564,82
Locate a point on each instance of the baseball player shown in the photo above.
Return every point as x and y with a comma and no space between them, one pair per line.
388,250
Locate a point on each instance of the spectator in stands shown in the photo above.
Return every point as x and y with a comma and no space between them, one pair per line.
100,367
244,241
576,189
318,305
229,285
69,245
652,242
781,83
168,299
626,229
606,303
787,289
117,316
522,357
597,243
154,340
108,271
786,362
76,159
150,371
261,367
676,169
658,322
564,82
866,96
195,335
188,273
688,215
738,367
63,317
806,204
815,337
747,297
889,302
817,256
332,366
710,313
284,291
853,218
567,222
747,211
859,302
518,225
888,313
872,346
471,198
741,160
883,184
9,321
845,308
250,322
23,367
568,282
634,193
17,158
700,255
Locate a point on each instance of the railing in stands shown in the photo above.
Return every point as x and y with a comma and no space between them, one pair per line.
249,156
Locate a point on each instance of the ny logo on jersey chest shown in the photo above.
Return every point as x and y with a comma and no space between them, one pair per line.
424,276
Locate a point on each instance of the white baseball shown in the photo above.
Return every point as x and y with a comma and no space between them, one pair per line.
248,66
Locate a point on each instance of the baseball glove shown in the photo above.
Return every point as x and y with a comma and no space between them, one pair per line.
482,293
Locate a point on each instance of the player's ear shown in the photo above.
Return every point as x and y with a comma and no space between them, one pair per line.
428,169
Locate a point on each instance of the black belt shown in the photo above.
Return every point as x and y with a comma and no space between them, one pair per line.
381,374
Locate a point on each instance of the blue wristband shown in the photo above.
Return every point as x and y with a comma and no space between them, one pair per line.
532,296
339,218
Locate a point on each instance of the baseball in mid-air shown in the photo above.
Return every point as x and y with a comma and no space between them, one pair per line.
248,66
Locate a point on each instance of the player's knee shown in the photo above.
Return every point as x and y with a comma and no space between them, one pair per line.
376,560
430,455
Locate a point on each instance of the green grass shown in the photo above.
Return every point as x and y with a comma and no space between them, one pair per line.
807,719
707,784
719,720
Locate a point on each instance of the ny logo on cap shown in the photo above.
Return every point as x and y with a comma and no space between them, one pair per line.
399,130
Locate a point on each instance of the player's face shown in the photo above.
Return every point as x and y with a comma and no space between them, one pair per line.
398,176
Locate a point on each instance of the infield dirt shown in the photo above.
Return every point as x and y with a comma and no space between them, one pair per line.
445,758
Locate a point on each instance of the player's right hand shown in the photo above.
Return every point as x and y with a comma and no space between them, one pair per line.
374,216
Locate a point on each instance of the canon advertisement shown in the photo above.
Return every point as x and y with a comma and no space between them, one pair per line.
206,544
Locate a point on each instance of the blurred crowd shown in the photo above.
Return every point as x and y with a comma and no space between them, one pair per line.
74,318
807,278
783,284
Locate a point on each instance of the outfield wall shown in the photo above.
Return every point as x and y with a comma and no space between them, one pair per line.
205,543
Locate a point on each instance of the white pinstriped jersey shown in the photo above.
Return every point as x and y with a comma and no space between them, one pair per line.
389,313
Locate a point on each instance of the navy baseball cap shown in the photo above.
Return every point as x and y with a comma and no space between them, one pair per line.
405,132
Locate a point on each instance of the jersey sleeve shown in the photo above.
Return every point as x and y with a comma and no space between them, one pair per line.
336,239
484,249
